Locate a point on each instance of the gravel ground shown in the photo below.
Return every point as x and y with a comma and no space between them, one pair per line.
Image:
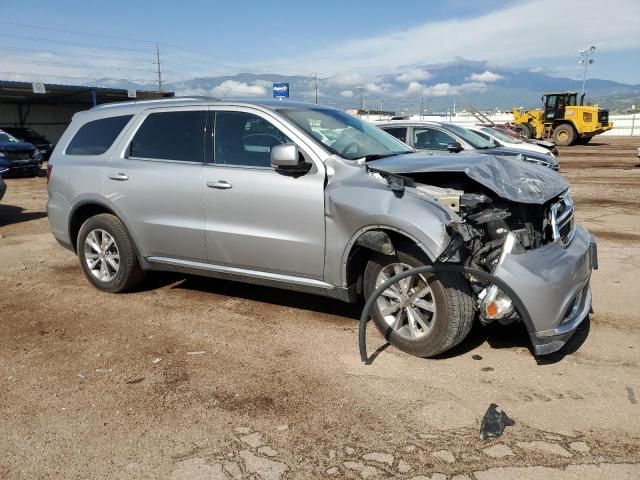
197,378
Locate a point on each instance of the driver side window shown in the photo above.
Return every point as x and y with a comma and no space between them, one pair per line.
431,139
245,139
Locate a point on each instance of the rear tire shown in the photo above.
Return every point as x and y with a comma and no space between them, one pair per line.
449,293
107,255
564,135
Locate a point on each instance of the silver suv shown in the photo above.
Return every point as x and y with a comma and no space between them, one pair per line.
309,198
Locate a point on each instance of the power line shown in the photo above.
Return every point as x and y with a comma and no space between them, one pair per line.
68,54
96,35
63,42
71,65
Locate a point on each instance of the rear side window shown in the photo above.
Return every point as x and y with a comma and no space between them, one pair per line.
97,136
171,136
398,132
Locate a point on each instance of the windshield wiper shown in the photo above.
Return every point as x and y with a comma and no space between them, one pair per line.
378,156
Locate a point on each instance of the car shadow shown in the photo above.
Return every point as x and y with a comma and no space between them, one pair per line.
258,293
498,337
11,214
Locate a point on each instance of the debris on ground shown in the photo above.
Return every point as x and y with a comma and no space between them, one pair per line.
494,422
632,395
156,360
476,357
196,353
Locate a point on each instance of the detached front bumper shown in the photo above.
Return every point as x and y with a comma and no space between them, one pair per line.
553,284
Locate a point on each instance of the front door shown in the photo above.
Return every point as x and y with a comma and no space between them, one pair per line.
155,183
257,218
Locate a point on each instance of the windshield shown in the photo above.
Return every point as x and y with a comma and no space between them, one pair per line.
345,135
500,136
5,137
472,138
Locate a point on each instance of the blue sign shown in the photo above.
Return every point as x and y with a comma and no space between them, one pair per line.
280,90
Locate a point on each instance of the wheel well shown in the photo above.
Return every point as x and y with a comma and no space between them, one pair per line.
564,122
360,255
81,215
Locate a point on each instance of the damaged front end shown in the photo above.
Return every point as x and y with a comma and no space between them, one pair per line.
526,238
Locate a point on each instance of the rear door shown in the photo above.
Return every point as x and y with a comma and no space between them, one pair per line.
155,182
258,218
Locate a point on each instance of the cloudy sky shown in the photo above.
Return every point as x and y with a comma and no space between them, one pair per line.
79,41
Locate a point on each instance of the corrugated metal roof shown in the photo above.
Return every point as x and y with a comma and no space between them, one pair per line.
22,93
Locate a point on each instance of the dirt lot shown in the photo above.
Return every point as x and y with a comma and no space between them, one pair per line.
94,385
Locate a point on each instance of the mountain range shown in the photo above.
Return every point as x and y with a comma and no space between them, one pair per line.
434,87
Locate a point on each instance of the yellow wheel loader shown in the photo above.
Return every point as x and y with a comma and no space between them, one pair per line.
562,120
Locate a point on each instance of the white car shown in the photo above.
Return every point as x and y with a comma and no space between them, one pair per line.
503,140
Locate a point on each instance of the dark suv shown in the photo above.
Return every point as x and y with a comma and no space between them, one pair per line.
28,135
18,157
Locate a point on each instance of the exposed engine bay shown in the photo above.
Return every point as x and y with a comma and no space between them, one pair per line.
485,225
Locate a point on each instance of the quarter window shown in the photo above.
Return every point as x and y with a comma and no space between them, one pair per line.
427,138
245,139
97,136
175,136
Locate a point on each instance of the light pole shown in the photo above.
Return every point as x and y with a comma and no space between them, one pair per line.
586,60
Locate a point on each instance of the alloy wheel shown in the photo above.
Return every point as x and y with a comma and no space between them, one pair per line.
408,306
101,255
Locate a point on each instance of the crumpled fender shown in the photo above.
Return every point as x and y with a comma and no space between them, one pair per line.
357,203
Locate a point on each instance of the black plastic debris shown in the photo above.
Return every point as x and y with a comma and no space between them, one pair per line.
476,357
493,422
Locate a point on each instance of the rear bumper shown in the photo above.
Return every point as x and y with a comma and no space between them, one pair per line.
553,283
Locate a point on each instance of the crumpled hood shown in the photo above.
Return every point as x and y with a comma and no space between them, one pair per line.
511,179
16,147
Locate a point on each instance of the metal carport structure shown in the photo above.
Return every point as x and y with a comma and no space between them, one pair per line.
50,112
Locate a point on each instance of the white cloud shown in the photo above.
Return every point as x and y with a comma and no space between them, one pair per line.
486,77
347,79
413,75
444,89
347,93
488,37
231,88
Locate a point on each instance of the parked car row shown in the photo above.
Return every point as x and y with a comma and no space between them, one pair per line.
309,198
441,136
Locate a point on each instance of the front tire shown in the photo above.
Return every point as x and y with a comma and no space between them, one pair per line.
107,256
564,135
422,315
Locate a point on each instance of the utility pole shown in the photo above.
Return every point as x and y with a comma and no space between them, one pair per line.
158,65
586,53
421,107
316,83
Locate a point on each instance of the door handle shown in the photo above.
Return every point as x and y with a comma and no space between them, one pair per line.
121,177
221,184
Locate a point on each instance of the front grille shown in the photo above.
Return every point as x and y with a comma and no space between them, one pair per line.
24,155
561,219
603,116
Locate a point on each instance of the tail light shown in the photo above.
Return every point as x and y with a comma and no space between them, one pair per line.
49,170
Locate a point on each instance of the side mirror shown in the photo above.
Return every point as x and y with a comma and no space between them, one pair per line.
285,156
454,147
